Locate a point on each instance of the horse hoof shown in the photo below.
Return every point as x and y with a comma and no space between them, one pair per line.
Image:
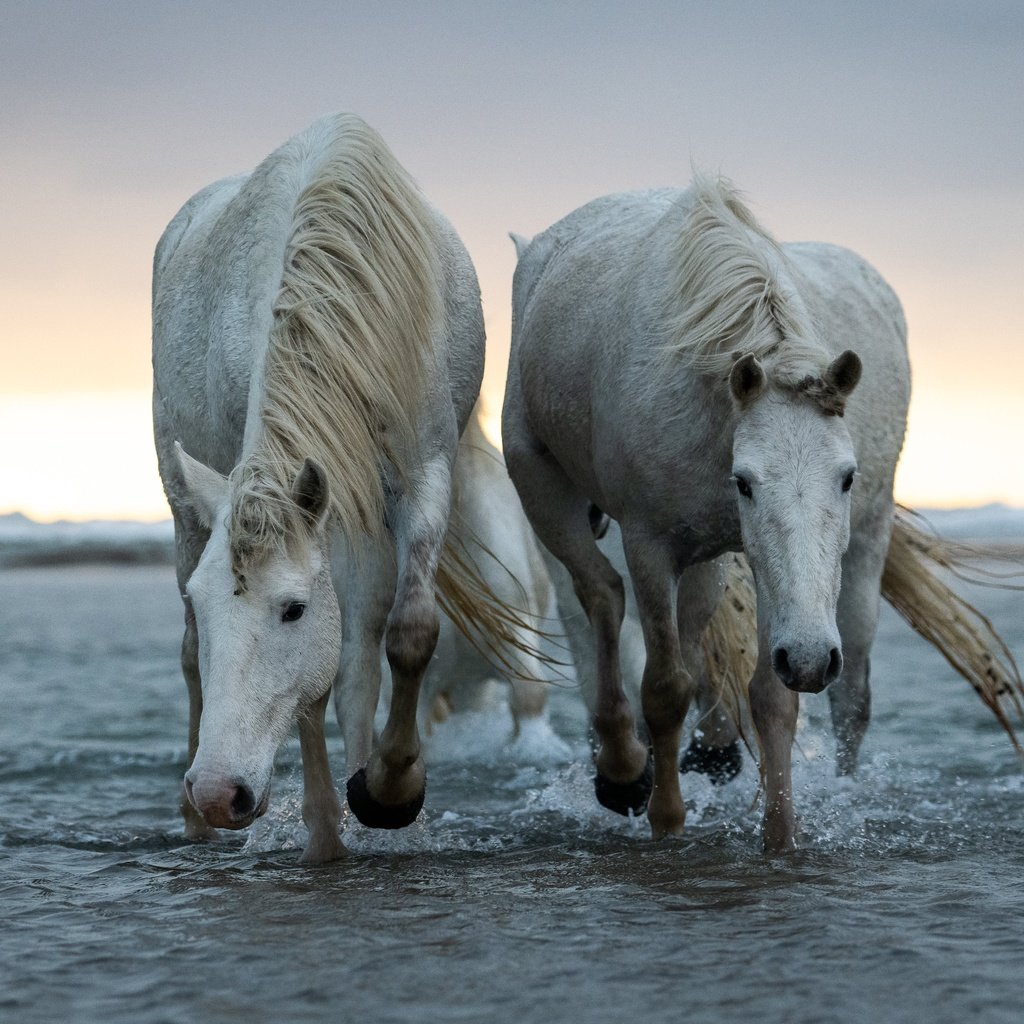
719,764
626,797
374,814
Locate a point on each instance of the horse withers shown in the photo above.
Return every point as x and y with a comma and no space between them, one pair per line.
318,347
712,391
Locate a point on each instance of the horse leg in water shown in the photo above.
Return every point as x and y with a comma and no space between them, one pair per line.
528,693
389,792
190,538
714,748
857,618
673,611
321,809
774,709
559,516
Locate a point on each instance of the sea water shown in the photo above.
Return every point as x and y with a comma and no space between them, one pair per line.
514,897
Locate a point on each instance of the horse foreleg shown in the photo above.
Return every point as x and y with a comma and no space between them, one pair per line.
321,809
195,823
667,687
366,591
774,711
389,792
857,617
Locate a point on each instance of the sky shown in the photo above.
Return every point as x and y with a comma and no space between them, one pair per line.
893,128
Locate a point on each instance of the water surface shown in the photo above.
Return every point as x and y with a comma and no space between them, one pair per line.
515,898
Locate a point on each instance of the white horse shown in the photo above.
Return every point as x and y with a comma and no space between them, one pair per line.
318,347
486,509
676,367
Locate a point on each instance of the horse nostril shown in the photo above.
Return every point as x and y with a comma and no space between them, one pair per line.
243,803
835,664
780,662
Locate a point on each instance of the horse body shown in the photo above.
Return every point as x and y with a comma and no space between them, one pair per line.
667,353
317,349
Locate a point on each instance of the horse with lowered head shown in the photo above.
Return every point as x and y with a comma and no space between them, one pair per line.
318,347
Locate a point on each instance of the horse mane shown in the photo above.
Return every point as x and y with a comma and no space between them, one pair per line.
730,294
350,344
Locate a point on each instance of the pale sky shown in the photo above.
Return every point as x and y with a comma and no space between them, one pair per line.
892,128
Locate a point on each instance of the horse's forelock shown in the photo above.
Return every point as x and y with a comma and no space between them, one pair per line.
824,395
264,520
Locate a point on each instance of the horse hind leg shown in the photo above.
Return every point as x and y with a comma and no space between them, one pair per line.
560,517
714,749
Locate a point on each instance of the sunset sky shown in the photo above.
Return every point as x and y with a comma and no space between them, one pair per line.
892,128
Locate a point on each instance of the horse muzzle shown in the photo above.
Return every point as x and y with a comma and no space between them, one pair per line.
225,803
807,670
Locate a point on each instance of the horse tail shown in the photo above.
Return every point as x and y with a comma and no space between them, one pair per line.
507,635
729,642
912,584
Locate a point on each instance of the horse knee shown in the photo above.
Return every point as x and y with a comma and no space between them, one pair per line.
605,604
411,635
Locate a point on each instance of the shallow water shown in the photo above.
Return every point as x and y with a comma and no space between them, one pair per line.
514,898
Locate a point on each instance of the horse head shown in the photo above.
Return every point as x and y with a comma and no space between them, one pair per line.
269,631
794,467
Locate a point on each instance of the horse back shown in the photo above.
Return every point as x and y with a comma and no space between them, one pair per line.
853,307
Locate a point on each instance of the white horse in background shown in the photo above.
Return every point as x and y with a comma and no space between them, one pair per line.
486,508
674,366
318,347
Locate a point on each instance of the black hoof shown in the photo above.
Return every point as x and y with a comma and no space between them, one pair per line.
374,814
719,764
626,797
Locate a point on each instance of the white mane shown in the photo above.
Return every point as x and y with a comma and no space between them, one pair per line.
358,304
732,295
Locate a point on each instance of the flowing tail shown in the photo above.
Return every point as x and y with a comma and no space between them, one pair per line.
497,629
729,642
961,633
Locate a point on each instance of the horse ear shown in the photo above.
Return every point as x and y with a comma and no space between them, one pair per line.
311,492
844,373
520,242
746,380
207,490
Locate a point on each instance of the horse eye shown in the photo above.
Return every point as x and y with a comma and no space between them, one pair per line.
743,486
847,481
293,612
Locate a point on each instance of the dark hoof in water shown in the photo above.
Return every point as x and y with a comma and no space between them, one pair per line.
374,814
719,764
626,797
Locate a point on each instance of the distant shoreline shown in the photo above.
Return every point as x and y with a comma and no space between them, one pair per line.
25,543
